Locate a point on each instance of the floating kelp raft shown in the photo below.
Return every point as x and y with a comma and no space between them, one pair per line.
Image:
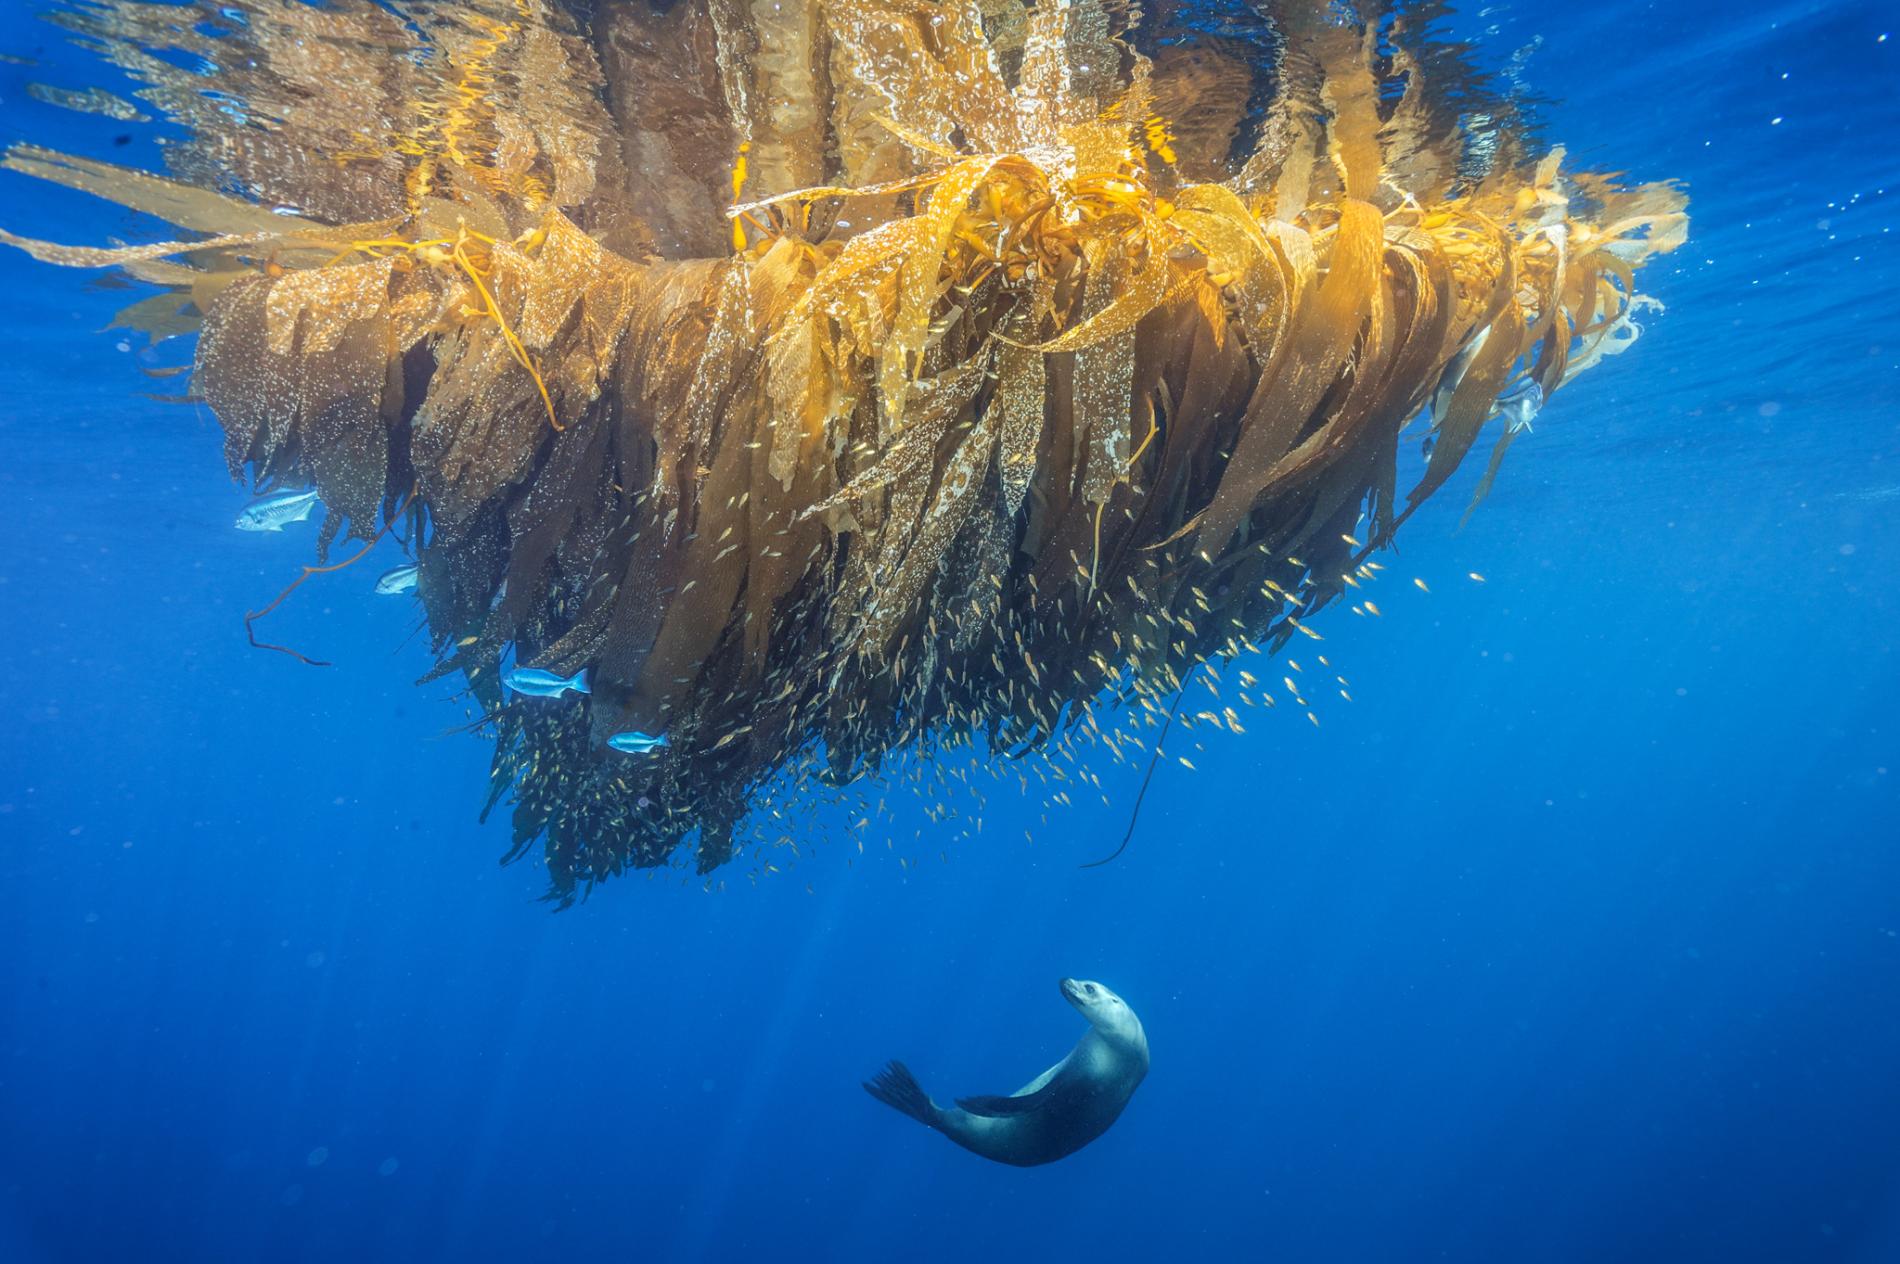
830,379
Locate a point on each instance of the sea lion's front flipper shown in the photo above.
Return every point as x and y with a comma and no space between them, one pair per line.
1041,1081
1001,1107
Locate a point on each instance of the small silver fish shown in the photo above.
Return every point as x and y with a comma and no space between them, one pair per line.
272,512
539,683
400,580
634,742
1519,405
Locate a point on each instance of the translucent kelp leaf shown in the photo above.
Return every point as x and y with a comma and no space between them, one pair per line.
123,256
198,210
935,403
1471,399
478,429
1225,230
1131,294
564,267
239,377
1103,394
852,279
728,344
88,101
896,598
921,285
340,420
309,312
1021,384
808,396
1326,326
160,317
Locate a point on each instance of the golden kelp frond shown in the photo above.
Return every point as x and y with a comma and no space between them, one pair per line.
835,381
193,209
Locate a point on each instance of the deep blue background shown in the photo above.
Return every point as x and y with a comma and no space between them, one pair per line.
1576,936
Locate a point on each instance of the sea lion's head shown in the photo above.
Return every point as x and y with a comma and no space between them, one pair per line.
1107,1013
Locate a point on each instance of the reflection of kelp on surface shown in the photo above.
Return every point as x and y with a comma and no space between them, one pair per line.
841,377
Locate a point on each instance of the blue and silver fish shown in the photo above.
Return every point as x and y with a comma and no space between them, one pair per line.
272,512
395,582
1519,405
539,683
634,742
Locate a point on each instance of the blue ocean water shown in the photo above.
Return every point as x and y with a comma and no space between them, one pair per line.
1574,935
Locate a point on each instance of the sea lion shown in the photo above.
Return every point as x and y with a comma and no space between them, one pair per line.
1059,1111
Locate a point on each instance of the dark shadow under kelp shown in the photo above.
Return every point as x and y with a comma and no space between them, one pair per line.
835,378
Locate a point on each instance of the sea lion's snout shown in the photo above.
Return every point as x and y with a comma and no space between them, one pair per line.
1079,992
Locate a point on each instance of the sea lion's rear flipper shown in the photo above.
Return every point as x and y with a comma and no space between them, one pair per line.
897,1088
1002,1107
